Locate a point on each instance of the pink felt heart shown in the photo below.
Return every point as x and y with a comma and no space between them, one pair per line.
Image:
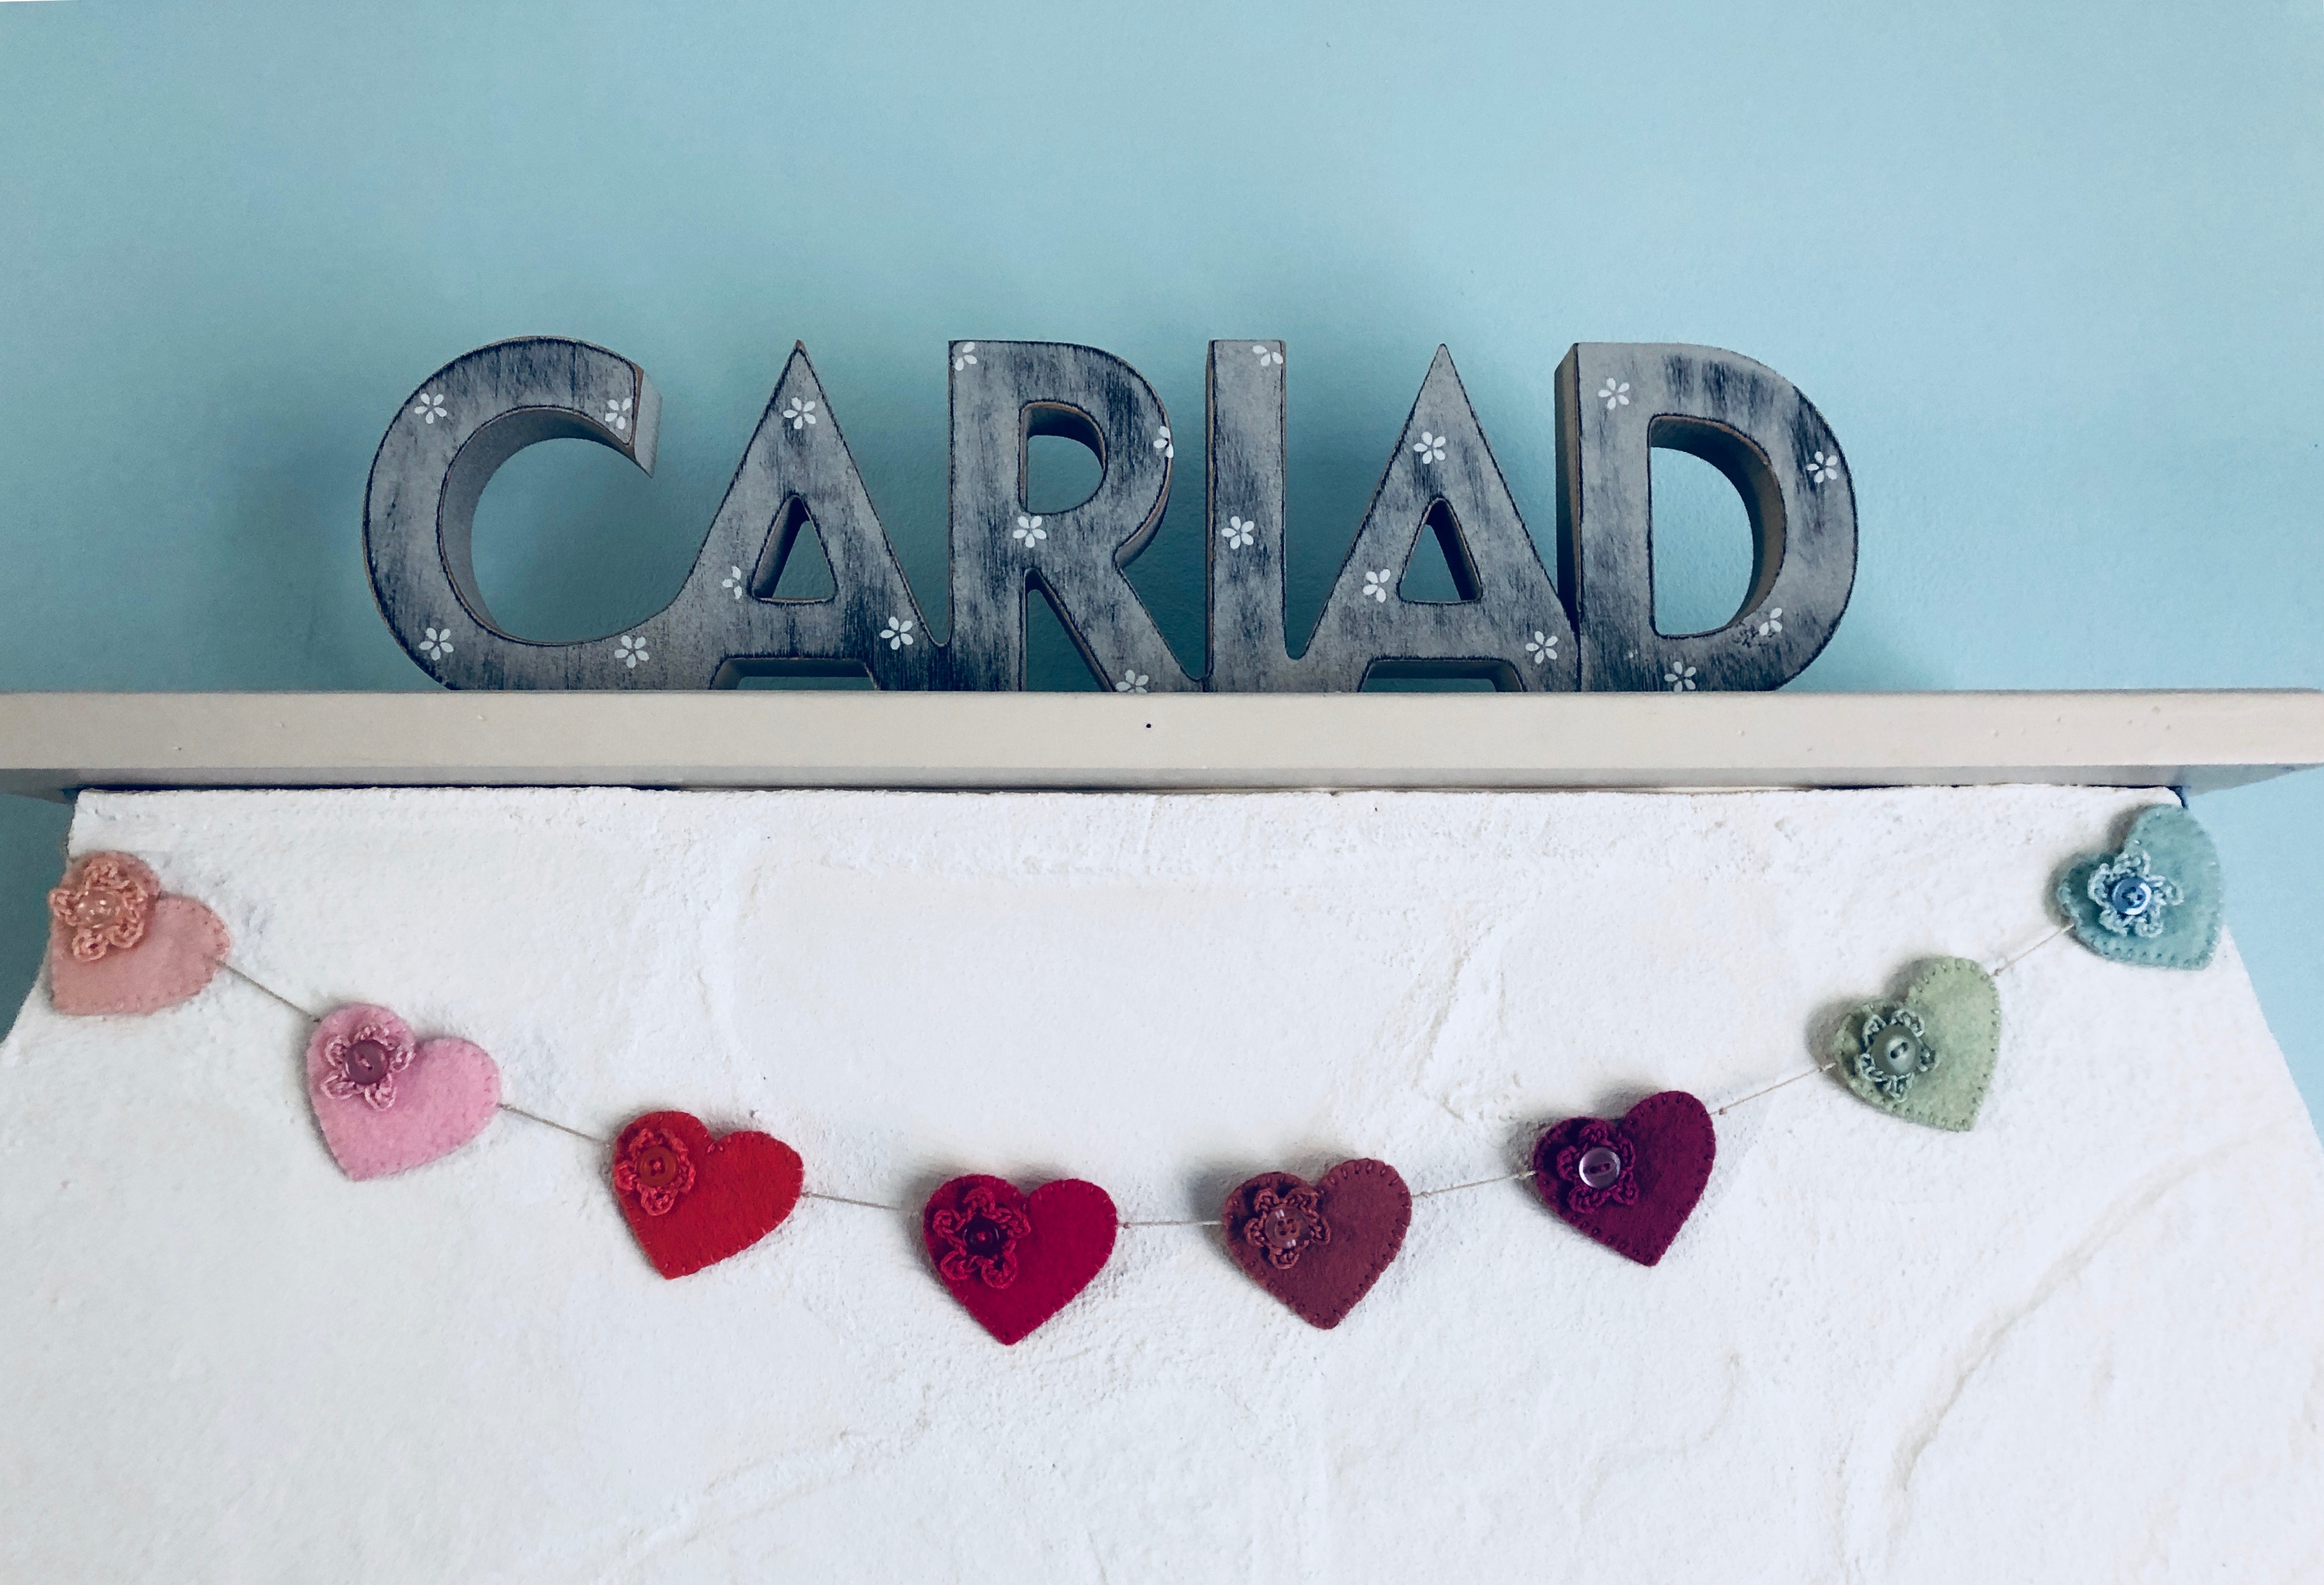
386,1103
117,944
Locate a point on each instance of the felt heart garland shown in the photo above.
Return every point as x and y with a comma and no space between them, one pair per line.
1318,1246
387,1103
1014,1259
117,944
1629,1185
692,1201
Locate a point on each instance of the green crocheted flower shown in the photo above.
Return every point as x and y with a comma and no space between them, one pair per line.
1893,1050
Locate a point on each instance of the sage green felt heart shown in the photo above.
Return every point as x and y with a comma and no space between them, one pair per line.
2157,900
1928,1057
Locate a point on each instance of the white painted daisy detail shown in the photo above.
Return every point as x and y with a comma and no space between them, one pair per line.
963,357
1431,447
1774,624
1377,584
798,414
897,633
1824,469
617,414
1162,442
436,642
1615,393
732,582
1029,533
1542,647
1265,354
630,651
430,407
1680,678
1239,532
1132,682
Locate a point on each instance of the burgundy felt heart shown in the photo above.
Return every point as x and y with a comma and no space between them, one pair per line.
387,1103
1013,1260
1318,1248
694,1200
1629,1185
117,944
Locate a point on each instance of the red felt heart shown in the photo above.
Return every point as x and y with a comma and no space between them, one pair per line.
1629,1185
1013,1260
693,1201
1318,1248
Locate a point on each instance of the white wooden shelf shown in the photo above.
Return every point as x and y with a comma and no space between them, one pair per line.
52,745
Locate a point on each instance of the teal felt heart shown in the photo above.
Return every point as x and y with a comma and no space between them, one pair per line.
2157,899
1928,1057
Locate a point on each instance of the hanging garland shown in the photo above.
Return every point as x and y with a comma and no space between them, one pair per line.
386,1101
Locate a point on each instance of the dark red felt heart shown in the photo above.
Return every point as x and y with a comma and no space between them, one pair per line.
1629,1185
693,1201
1318,1248
1013,1260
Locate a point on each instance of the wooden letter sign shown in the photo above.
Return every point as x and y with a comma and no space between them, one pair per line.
1592,627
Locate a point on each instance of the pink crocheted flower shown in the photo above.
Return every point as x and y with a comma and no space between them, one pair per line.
982,1238
106,902
1285,1223
655,1168
1596,1167
361,1061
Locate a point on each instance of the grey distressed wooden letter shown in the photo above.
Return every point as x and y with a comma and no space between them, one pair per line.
1617,400
796,477
1003,392
1508,625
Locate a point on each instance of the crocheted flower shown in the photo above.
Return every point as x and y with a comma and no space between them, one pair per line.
360,1064
2130,897
1595,1168
981,1239
1283,1223
1893,1050
105,900
654,1168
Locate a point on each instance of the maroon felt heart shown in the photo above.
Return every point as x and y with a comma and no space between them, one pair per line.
1629,1185
1318,1248
693,1201
1013,1260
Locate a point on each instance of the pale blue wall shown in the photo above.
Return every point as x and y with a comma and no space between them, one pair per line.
2053,278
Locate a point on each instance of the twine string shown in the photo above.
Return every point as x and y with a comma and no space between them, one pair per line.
1995,970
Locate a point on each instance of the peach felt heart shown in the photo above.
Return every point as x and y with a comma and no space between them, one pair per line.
386,1103
117,944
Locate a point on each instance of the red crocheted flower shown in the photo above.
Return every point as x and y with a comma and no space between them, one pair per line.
655,1168
104,901
361,1064
982,1238
1285,1223
1596,1167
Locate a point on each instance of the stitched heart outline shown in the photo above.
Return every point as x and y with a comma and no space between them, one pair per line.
1319,1247
386,1102
1012,1259
693,1200
1952,1009
1661,1153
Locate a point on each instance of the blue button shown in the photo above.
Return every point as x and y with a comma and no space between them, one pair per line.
2130,896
